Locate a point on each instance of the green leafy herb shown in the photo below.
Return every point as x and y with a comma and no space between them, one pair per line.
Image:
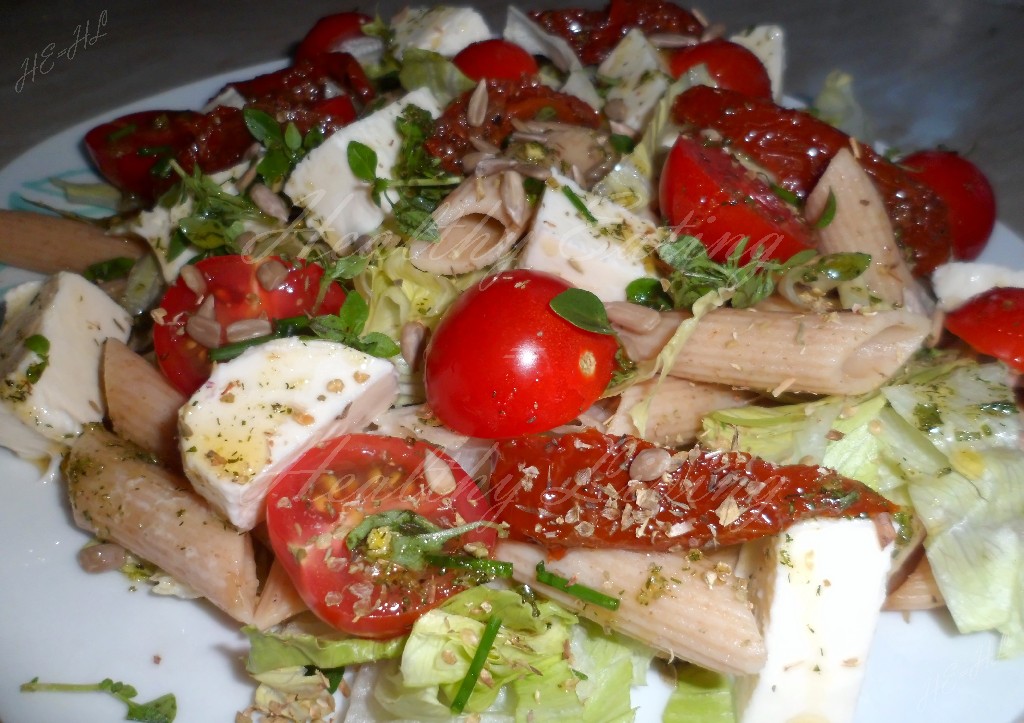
218,217
487,566
342,269
363,161
487,639
622,144
40,346
347,326
116,268
582,308
584,593
828,214
648,292
285,147
404,537
695,274
160,710
333,675
578,204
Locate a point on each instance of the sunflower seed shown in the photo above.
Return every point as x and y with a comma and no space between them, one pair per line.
476,111
268,202
272,275
194,280
513,196
204,331
245,329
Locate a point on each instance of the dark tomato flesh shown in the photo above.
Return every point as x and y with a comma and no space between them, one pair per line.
313,505
235,292
501,363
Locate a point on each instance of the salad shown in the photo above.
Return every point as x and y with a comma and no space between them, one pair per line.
390,214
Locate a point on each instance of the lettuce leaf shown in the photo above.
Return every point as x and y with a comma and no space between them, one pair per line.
700,696
436,73
270,650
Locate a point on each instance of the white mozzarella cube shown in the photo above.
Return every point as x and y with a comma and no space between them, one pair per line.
768,43
956,282
260,411
817,591
443,29
46,398
602,255
637,79
339,205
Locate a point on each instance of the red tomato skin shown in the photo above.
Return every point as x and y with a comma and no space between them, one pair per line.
992,323
966,192
730,64
302,510
495,58
705,193
501,363
329,33
231,280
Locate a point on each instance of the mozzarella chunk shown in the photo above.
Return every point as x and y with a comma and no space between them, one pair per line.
38,418
260,411
768,43
817,591
956,282
340,206
637,79
442,29
602,256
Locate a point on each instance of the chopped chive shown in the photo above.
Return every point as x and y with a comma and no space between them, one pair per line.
122,132
584,593
828,213
578,204
476,665
786,195
494,568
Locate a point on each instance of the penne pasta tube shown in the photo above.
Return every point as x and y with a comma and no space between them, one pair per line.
142,405
836,353
861,223
478,223
675,408
48,244
279,600
919,591
118,494
695,610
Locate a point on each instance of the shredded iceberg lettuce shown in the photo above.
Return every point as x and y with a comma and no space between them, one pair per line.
944,440
700,696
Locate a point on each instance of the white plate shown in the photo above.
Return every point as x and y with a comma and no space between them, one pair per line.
61,624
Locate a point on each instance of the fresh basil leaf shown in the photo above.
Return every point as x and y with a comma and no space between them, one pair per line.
363,161
116,268
292,137
263,126
583,309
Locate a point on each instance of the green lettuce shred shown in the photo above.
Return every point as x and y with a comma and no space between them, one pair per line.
700,696
436,73
270,651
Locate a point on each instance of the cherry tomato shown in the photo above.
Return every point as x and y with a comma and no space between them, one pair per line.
705,193
501,363
314,504
730,65
495,58
966,192
329,34
536,487
795,148
993,324
593,33
235,292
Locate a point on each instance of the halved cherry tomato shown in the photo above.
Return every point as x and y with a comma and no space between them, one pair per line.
235,292
593,33
967,193
706,194
993,324
730,65
329,34
314,504
501,363
495,58
522,99
795,148
558,492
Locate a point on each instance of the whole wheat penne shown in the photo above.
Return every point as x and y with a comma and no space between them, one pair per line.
861,223
279,600
919,591
674,410
837,353
142,405
695,610
48,244
119,494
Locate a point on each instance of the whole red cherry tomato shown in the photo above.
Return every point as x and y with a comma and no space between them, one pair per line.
235,292
993,324
495,58
706,194
501,363
329,34
967,193
730,65
339,484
